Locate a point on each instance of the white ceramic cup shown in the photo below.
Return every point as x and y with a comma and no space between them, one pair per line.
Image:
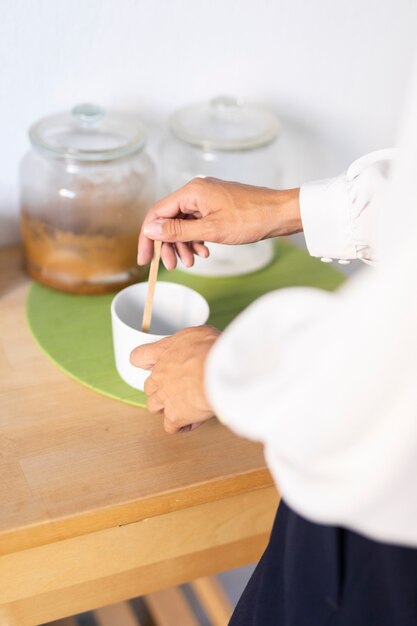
174,307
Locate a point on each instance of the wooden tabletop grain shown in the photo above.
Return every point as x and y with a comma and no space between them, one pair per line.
73,462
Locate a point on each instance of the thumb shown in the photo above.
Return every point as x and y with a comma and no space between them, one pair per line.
146,355
172,230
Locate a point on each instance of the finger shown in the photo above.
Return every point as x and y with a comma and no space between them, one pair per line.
150,387
168,207
169,256
182,202
200,249
145,249
145,245
185,253
146,356
170,427
154,404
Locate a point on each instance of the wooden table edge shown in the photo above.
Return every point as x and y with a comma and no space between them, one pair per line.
49,531
103,567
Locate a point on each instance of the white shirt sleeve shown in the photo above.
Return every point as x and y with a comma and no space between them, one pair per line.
327,382
339,214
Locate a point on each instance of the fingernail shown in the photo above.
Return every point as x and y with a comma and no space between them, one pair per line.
153,229
186,429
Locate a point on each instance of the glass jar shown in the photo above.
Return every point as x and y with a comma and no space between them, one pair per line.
226,139
85,189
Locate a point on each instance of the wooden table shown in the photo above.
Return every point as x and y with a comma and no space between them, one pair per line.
97,503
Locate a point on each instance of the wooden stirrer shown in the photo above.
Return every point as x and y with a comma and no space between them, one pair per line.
153,274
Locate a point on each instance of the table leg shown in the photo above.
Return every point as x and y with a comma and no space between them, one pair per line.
213,599
121,614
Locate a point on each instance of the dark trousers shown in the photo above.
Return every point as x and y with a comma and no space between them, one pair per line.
314,575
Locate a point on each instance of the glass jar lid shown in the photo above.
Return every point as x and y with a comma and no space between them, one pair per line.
224,123
88,133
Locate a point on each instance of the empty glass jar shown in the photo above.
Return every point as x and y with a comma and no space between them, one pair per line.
85,188
226,139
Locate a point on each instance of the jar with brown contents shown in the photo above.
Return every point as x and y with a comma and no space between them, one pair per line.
85,190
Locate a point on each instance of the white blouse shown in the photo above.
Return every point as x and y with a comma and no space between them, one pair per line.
328,381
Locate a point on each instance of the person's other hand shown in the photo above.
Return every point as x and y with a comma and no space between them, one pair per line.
176,384
207,209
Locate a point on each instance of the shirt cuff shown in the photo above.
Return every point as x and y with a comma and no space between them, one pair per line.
325,215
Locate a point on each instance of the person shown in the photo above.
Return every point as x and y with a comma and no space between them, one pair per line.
326,381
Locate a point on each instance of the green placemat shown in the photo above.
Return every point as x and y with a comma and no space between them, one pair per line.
75,330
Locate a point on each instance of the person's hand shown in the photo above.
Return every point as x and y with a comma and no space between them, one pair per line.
207,209
176,384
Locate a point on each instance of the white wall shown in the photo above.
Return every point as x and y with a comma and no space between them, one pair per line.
334,70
